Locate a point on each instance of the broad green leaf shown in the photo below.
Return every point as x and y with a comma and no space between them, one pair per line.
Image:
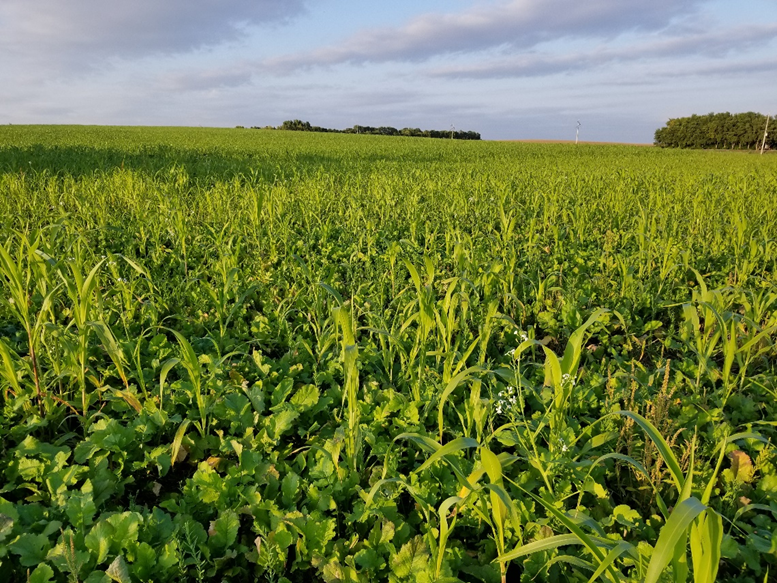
306,397
571,359
281,421
6,526
411,560
454,382
487,573
9,369
442,512
281,392
130,399
165,370
456,445
426,443
729,351
706,542
610,559
377,486
289,487
317,532
545,544
498,493
30,548
42,574
145,562
343,319
169,556
118,572
80,509
91,281
99,540
413,275
283,538
491,465
688,484
225,529
673,536
368,559
136,266
111,347
189,358
126,526
333,292
553,372
176,447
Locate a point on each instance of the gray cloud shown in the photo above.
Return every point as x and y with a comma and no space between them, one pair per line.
730,69
716,44
203,80
91,30
515,24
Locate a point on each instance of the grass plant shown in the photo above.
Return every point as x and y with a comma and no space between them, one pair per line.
284,356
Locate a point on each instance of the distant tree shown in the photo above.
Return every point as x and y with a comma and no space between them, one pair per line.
714,130
297,125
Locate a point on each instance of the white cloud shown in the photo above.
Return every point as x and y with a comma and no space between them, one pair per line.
517,24
88,31
715,44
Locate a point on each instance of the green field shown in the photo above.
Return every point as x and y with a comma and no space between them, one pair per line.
249,355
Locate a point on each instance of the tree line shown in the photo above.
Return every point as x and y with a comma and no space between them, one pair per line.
305,126
717,130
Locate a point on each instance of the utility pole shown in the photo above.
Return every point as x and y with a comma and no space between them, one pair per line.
453,130
766,133
577,132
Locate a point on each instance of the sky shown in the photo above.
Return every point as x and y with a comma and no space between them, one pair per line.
509,69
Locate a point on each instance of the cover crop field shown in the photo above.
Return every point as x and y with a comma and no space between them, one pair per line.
249,355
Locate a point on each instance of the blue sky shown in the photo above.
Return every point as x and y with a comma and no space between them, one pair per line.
510,69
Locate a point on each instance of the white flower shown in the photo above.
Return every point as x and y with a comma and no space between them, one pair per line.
507,401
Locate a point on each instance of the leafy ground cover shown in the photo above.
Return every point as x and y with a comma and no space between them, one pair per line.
277,356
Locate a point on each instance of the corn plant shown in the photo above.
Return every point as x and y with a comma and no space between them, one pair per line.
231,353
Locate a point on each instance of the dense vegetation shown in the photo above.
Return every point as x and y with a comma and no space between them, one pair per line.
297,125
742,131
233,355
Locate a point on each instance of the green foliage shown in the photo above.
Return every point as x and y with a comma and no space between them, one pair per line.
716,130
297,356
297,125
